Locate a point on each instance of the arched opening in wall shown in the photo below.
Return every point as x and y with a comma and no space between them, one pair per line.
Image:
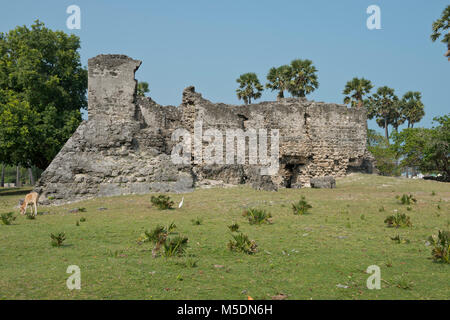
290,175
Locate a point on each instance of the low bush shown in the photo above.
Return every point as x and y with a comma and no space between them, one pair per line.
257,216
7,218
57,240
441,246
241,243
234,227
160,236
175,246
399,220
197,221
407,199
162,202
398,239
301,207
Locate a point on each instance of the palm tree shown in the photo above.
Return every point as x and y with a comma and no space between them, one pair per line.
382,105
412,107
249,87
142,88
304,78
396,116
355,90
440,26
279,79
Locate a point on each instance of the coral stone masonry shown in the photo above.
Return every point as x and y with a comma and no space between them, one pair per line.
125,146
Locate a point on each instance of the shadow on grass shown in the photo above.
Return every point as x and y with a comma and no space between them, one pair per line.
14,191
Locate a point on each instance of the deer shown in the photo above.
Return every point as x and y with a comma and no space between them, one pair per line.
32,198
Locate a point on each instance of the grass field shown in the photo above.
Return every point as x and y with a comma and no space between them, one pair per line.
321,255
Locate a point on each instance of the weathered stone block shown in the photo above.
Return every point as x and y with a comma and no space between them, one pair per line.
323,182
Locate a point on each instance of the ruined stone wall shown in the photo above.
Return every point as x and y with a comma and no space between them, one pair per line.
125,146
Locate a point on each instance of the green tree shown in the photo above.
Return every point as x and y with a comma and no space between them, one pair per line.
437,151
142,88
355,90
396,117
249,87
18,129
279,79
43,87
385,155
412,107
303,78
410,143
382,106
439,27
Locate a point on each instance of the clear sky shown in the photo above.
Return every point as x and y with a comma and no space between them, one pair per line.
208,43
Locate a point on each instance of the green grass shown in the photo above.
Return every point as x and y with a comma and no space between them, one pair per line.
301,256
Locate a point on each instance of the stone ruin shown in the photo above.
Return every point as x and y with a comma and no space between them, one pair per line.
125,145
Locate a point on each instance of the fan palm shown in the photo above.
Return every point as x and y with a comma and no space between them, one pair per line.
412,107
440,26
382,106
279,79
355,90
303,78
249,87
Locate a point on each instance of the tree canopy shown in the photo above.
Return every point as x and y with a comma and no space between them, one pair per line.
303,78
279,79
382,106
42,89
440,26
299,78
142,88
427,149
249,87
355,90
412,107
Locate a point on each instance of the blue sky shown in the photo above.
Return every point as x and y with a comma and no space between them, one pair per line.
209,43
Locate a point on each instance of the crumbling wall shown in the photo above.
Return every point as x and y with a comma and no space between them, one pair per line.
125,146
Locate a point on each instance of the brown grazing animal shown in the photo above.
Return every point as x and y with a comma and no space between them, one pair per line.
32,198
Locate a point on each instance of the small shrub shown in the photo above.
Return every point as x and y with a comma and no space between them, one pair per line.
58,240
408,208
30,216
7,218
115,253
175,246
398,221
438,207
381,209
403,283
398,239
407,199
441,246
77,223
301,207
162,202
82,219
188,263
433,193
191,263
234,227
197,221
158,236
257,216
241,243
